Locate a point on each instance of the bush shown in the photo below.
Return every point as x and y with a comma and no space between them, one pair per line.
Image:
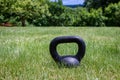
81,16
38,20
112,12
24,9
92,18
56,11
68,17
1,18
40,13
96,18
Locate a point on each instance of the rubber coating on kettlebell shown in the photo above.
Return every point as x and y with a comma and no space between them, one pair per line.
73,60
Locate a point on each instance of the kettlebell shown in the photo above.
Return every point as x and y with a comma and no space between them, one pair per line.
68,60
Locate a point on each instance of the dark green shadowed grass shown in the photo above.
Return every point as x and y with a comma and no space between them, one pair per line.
24,54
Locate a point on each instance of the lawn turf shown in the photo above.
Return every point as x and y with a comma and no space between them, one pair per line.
24,53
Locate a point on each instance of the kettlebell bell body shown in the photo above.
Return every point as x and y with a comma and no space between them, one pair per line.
68,60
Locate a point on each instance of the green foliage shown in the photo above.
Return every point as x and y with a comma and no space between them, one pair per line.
62,16
112,12
5,5
96,18
81,17
38,20
92,18
56,11
68,17
46,13
91,3
1,18
5,10
60,2
25,9
99,3
28,8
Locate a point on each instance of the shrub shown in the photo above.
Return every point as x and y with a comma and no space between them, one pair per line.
96,18
24,9
1,18
92,18
56,11
81,17
68,17
112,12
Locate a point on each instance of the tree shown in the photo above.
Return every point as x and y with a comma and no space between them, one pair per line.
60,2
5,8
112,12
23,9
99,3
5,5
28,8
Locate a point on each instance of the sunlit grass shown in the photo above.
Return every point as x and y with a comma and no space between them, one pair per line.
24,54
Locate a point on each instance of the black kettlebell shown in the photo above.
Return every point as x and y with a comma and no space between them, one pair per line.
69,60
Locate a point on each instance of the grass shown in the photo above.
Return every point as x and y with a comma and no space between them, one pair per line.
24,54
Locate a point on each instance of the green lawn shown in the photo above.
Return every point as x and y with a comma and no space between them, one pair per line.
24,53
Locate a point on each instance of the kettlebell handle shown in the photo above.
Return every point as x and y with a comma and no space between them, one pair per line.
67,39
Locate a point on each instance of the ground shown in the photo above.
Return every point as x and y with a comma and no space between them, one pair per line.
24,53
